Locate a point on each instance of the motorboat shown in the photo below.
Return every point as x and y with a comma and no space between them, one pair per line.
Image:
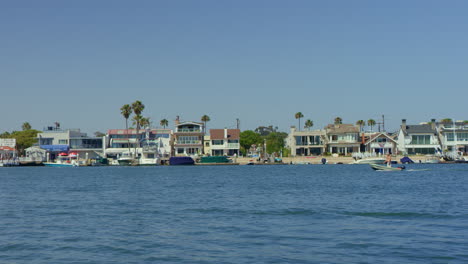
386,168
375,160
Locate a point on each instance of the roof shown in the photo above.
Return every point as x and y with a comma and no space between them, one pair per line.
219,134
376,135
342,128
419,129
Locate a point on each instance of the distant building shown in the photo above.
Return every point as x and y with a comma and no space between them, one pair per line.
224,142
381,143
453,136
306,143
119,141
188,138
343,138
56,140
418,139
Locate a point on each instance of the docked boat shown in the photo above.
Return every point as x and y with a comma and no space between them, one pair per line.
150,156
386,168
216,160
181,161
370,161
126,159
65,160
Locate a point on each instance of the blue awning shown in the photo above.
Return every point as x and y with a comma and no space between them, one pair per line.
57,148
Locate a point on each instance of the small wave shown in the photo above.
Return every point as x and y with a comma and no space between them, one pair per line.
279,212
407,215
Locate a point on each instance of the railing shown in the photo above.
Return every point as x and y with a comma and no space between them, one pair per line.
188,142
189,130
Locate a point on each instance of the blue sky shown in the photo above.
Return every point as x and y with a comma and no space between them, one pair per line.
78,62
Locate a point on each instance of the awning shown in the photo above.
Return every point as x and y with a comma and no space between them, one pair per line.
57,148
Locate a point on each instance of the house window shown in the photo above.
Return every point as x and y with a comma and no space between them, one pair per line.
63,141
420,139
217,142
334,137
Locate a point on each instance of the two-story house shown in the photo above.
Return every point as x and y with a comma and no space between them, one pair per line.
223,142
56,140
119,141
306,143
381,143
343,138
188,138
453,136
418,139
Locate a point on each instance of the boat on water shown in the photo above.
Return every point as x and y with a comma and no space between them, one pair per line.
370,161
216,160
181,161
386,168
126,159
65,160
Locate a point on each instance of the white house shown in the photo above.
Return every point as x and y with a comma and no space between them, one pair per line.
418,139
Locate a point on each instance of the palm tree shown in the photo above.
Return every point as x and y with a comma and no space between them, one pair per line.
371,123
299,115
145,122
308,124
164,123
361,124
205,119
126,111
338,120
137,107
26,126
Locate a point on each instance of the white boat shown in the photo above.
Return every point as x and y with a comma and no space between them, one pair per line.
386,168
126,159
150,154
370,161
63,161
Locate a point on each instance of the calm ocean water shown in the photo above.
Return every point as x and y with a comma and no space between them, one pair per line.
234,214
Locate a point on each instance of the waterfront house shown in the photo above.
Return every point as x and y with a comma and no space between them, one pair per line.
418,139
56,140
119,141
306,143
343,138
188,138
223,142
381,143
453,136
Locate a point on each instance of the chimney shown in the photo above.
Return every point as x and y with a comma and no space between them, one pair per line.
177,121
403,125
433,124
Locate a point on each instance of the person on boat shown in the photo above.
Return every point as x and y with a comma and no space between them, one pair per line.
388,160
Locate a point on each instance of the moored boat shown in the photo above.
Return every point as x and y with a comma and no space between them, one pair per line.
216,160
370,161
181,161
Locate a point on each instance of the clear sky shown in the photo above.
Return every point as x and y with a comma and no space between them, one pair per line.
78,62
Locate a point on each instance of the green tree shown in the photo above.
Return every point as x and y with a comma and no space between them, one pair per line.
446,120
361,124
164,123
126,111
275,142
249,138
371,123
99,134
205,119
338,120
138,108
145,122
298,116
24,139
308,124
26,126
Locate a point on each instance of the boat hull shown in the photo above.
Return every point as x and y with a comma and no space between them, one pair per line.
181,161
385,168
